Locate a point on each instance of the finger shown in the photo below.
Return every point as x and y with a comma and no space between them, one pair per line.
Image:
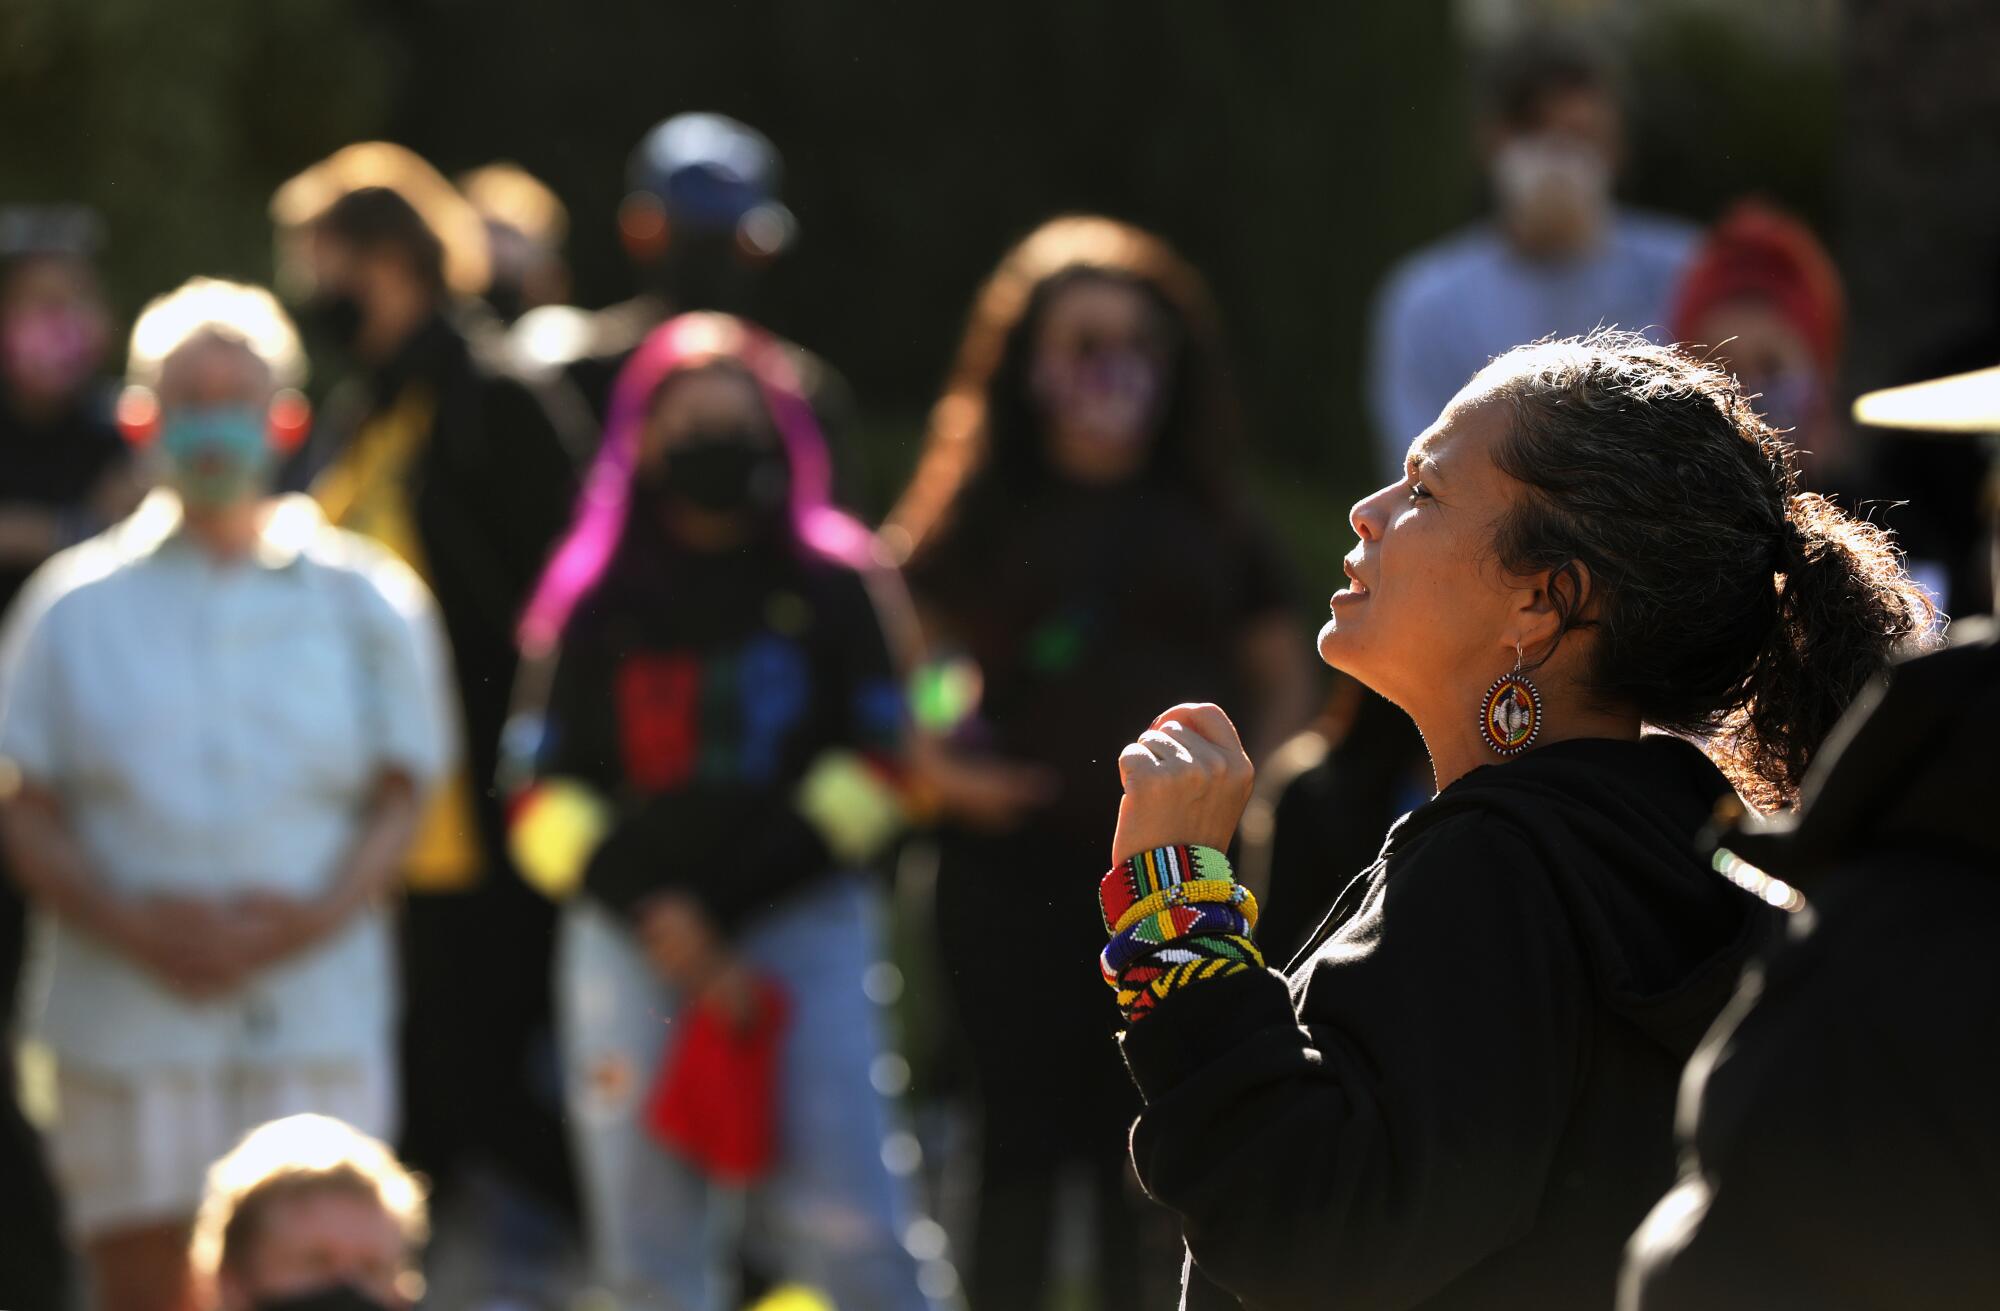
1166,746
1148,764
1207,719
1135,759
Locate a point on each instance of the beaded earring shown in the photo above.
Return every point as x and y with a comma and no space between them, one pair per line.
1511,715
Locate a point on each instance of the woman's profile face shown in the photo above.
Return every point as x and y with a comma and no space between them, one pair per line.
1099,376
1425,605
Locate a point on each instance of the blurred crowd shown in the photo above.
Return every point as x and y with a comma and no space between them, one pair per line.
518,754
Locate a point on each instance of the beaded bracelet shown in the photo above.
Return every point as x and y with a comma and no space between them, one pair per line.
1204,892
1151,963
1144,1000
1180,976
1155,931
1132,881
1170,981
1179,952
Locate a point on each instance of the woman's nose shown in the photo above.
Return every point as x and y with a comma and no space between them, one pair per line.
1366,516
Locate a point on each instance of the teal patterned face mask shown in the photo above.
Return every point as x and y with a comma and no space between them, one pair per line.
217,456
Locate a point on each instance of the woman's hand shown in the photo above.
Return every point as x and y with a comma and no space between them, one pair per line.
681,942
685,948
1186,779
988,795
270,928
188,943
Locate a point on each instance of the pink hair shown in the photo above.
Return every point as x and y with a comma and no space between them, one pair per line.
689,341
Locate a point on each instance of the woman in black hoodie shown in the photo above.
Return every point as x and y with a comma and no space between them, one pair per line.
1462,1095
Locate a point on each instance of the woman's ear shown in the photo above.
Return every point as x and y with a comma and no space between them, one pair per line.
1549,606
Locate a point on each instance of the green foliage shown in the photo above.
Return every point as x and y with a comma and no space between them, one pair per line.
1721,109
176,120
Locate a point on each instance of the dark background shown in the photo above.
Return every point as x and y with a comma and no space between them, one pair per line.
1293,151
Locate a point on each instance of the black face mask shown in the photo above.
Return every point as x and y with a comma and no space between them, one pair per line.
723,472
333,1297
334,317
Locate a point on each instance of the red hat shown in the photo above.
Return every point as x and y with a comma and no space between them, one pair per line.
1760,253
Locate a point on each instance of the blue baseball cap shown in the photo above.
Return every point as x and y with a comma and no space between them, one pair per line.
712,172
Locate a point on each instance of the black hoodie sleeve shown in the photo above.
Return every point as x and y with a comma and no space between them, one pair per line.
1398,1126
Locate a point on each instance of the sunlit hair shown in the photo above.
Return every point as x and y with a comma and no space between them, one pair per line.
293,1157
985,436
682,344
1726,605
508,194
303,200
224,311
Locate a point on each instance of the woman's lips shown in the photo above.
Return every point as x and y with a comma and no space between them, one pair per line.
1356,590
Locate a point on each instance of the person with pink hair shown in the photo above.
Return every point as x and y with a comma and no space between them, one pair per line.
708,748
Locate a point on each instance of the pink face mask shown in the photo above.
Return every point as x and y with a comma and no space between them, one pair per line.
50,352
1113,395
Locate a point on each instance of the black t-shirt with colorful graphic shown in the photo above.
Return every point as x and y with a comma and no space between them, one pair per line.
695,695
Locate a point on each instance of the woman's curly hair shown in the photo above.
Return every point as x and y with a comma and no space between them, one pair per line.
1728,606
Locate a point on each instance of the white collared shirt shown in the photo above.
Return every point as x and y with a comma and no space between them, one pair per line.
214,728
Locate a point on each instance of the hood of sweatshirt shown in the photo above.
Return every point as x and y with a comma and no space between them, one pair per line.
1908,771
1620,826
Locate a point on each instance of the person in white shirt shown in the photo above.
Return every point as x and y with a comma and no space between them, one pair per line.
217,721
1557,258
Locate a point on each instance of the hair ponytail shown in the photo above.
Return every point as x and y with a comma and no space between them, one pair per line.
1846,609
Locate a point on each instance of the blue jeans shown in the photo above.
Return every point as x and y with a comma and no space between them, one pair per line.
831,1213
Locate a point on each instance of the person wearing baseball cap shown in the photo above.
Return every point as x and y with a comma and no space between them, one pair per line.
1838,1143
701,223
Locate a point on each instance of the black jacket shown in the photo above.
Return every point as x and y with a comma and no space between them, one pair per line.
490,492
1464,1095
1842,1147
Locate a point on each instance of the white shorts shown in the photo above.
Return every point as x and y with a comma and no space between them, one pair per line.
132,1149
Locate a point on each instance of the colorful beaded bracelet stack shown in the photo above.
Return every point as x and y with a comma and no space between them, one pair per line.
1177,916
